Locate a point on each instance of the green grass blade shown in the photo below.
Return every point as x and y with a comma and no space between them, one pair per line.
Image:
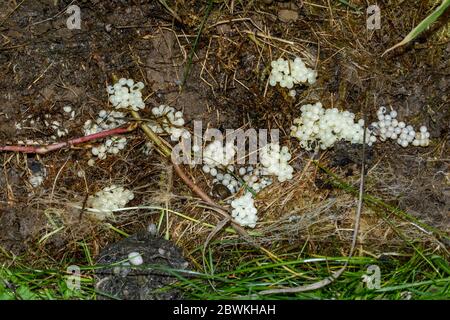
194,47
422,26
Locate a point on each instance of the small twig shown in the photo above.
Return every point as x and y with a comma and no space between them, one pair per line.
69,143
263,35
163,148
235,20
56,178
40,76
11,12
215,231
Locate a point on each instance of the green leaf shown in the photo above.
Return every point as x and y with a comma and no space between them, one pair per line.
422,26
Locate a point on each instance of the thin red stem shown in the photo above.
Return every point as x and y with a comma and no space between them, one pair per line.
70,143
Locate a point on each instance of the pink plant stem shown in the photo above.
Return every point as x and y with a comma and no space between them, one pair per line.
70,143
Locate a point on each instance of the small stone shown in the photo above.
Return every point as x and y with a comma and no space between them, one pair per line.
286,15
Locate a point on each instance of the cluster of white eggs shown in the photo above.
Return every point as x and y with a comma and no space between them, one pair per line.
244,211
226,177
275,160
422,138
105,201
234,179
126,94
58,128
217,154
388,127
288,73
256,179
170,121
68,109
327,126
106,121
112,145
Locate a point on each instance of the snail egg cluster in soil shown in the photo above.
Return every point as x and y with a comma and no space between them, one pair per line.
316,127
388,126
288,73
170,121
111,198
216,154
125,94
274,163
106,121
56,126
244,211
325,127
